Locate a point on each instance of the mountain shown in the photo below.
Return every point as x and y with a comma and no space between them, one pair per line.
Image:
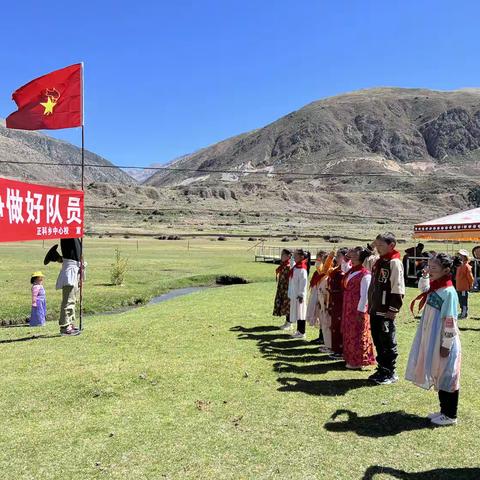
38,150
375,130
383,150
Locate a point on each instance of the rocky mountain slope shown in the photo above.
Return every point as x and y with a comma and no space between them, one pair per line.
38,150
384,151
387,130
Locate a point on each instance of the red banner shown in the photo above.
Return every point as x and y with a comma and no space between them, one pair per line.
39,212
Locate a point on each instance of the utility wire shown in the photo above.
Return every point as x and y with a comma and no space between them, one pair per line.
232,172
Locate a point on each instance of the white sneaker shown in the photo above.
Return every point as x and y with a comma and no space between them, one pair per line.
324,349
286,326
443,420
297,334
431,416
351,367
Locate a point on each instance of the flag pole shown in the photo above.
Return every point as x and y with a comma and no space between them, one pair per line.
83,190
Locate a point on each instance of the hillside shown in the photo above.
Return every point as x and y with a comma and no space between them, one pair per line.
39,150
426,143
375,130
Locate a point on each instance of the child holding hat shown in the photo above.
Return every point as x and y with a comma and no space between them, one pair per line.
39,301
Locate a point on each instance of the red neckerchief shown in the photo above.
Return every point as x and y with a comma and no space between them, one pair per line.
388,256
300,265
391,255
443,282
283,266
316,278
356,268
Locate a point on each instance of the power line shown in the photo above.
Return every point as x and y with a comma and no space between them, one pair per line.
231,172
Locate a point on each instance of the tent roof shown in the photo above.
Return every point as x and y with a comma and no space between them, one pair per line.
463,226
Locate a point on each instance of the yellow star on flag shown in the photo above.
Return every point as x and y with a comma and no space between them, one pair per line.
48,105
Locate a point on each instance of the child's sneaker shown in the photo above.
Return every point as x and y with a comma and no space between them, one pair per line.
324,349
386,379
431,416
286,326
352,367
297,334
444,421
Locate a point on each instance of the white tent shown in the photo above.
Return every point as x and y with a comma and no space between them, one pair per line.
462,226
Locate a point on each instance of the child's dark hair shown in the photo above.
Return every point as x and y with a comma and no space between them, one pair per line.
321,254
34,279
342,251
363,253
387,237
286,251
445,260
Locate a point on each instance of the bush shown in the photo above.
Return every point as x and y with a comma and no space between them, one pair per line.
119,268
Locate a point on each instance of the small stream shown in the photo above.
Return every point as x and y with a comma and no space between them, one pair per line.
179,292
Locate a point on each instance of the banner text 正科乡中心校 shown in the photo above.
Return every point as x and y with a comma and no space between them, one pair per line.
38,212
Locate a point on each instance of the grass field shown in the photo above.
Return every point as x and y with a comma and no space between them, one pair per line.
206,387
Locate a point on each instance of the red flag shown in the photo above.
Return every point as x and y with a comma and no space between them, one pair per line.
50,102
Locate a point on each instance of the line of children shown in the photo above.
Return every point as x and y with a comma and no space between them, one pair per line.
370,302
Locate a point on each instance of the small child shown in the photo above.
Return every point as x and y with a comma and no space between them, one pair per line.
313,309
435,356
39,301
281,306
464,282
297,291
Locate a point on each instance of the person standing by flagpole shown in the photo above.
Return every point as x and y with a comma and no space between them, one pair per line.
54,101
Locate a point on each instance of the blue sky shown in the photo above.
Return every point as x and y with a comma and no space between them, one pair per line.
164,78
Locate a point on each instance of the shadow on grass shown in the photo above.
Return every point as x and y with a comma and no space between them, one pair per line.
379,425
265,328
31,337
327,388
302,359
437,474
469,329
315,369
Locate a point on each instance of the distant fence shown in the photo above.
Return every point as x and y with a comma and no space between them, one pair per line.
272,254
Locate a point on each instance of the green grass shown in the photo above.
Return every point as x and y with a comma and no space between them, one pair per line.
202,387
157,266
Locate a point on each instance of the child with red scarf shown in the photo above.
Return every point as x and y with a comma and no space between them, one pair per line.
281,307
357,340
335,300
297,291
313,309
385,299
435,357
